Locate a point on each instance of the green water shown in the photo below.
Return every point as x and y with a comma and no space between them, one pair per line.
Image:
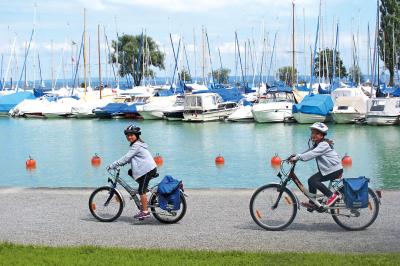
63,149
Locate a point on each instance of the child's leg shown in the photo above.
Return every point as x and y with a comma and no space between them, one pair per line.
311,182
143,185
315,182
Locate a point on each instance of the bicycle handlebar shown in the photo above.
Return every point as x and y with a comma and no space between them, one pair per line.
113,171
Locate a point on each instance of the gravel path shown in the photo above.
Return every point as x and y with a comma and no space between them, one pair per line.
217,219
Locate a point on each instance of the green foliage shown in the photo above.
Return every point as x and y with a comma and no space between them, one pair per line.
11,254
325,60
285,75
129,47
184,75
355,74
221,75
389,35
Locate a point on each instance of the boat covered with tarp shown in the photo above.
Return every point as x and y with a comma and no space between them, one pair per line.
313,108
9,101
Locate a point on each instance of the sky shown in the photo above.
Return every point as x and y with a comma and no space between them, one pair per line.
59,23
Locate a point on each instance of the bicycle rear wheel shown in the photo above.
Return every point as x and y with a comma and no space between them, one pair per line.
263,213
105,204
356,219
165,216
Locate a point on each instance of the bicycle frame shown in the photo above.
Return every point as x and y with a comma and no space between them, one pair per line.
132,192
291,176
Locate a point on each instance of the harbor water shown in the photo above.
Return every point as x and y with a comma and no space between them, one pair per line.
63,149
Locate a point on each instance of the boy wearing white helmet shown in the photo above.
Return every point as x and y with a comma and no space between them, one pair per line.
143,167
328,163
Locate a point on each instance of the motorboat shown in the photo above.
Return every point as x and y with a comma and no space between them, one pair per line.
383,111
274,106
204,107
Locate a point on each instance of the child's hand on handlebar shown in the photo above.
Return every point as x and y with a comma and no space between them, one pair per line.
292,158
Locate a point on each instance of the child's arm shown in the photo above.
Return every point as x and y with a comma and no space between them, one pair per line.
321,149
125,159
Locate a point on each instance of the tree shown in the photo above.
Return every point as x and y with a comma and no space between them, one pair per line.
323,66
129,48
184,75
285,75
389,35
221,75
355,74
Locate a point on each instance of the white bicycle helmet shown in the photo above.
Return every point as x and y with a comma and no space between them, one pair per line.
321,127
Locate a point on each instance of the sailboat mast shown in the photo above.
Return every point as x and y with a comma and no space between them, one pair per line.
194,51
377,25
368,53
293,52
84,48
116,49
98,49
203,56
52,65
25,84
34,56
107,69
304,43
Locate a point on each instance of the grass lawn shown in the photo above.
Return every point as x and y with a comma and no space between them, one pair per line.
11,254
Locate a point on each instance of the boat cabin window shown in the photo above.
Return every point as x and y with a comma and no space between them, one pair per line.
193,101
277,97
378,105
343,107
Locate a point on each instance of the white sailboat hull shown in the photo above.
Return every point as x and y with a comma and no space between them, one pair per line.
345,117
242,114
302,118
151,115
268,116
382,120
211,115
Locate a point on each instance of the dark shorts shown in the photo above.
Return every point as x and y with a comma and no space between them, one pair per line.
144,180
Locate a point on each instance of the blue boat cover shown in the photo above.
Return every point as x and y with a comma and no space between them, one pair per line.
228,95
281,88
7,102
113,108
318,104
302,88
128,108
169,193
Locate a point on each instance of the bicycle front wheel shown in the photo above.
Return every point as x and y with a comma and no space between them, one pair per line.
265,214
356,219
105,204
167,216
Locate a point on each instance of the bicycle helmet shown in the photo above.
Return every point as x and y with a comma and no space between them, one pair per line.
321,127
132,129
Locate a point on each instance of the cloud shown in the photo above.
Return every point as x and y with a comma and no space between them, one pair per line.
229,48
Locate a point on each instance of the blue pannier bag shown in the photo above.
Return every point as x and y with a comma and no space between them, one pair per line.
169,195
356,192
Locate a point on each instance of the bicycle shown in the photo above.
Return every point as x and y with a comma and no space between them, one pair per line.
274,206
107,203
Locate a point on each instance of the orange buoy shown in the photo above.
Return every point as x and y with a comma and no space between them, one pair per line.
347,161
219,160
96,160
158,159
276,161
30,163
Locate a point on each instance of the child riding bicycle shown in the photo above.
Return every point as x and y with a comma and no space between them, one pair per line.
143,167
328,163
